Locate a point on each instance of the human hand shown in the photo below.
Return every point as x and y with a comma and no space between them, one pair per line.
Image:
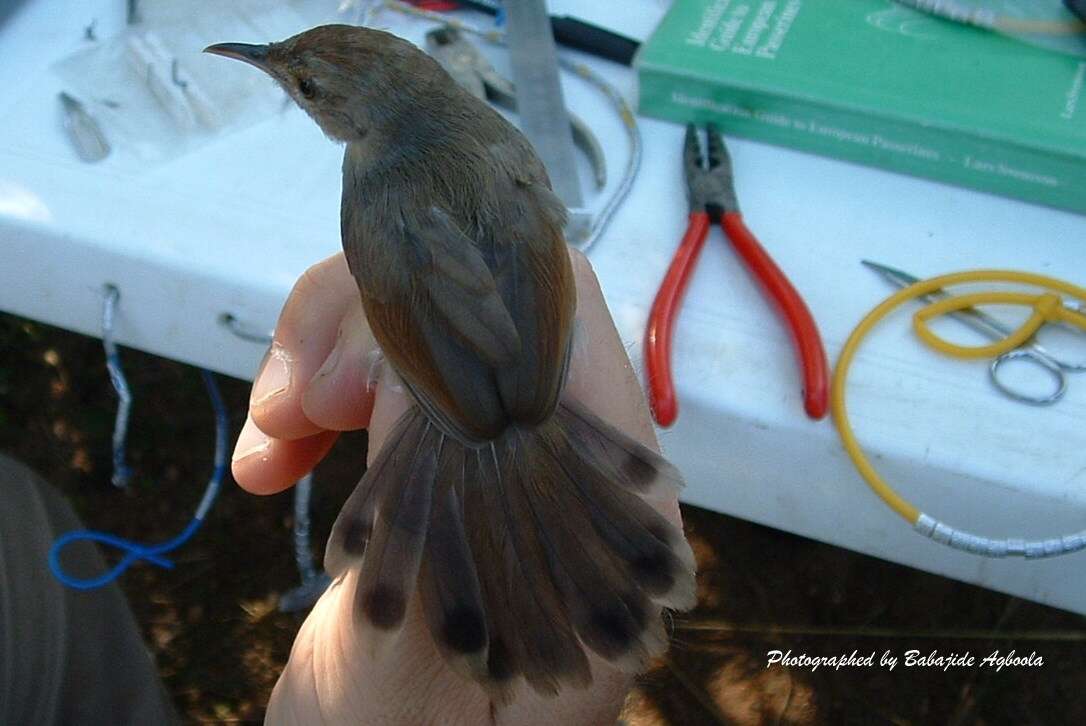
315,383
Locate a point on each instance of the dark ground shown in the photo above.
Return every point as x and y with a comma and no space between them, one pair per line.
219,640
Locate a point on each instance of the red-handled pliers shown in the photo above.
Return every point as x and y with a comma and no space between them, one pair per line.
711,193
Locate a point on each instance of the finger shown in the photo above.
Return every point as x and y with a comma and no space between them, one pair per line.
601,375
340,395
264,465
304,336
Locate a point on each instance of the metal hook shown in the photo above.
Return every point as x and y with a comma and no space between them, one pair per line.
243,330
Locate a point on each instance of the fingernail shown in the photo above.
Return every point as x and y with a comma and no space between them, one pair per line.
274,377
251,441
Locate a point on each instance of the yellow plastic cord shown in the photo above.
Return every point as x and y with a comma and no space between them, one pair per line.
1046,307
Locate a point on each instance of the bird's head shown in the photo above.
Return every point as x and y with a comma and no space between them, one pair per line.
349,79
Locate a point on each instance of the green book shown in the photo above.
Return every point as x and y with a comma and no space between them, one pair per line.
875,82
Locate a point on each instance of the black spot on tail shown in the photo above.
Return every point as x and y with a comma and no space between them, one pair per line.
654,570
384,607
464,631
355,536
618,625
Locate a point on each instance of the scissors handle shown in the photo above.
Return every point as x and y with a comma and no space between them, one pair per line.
808,342
665,310
1031,355
1067,366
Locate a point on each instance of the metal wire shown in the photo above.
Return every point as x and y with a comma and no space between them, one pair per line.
121,471
134,551
314,581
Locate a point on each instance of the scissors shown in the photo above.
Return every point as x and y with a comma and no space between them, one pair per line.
1031,352
711,193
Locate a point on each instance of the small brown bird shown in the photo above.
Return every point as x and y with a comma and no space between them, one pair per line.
517,516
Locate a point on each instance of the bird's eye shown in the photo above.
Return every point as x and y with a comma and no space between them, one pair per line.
307,88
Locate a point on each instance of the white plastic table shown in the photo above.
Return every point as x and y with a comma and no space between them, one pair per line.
228,228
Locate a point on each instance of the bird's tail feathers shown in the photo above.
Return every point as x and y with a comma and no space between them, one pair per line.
523,551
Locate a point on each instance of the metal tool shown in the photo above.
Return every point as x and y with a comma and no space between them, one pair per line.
470,68
1032,352
86,135
711,193
544,118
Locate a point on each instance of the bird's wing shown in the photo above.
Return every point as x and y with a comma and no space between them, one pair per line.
433,305
477,326
535,280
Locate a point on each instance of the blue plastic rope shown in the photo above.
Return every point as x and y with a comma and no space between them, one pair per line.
134,551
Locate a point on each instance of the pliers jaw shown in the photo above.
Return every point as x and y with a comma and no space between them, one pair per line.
709,183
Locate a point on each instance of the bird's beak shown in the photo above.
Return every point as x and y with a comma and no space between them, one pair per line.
256,55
